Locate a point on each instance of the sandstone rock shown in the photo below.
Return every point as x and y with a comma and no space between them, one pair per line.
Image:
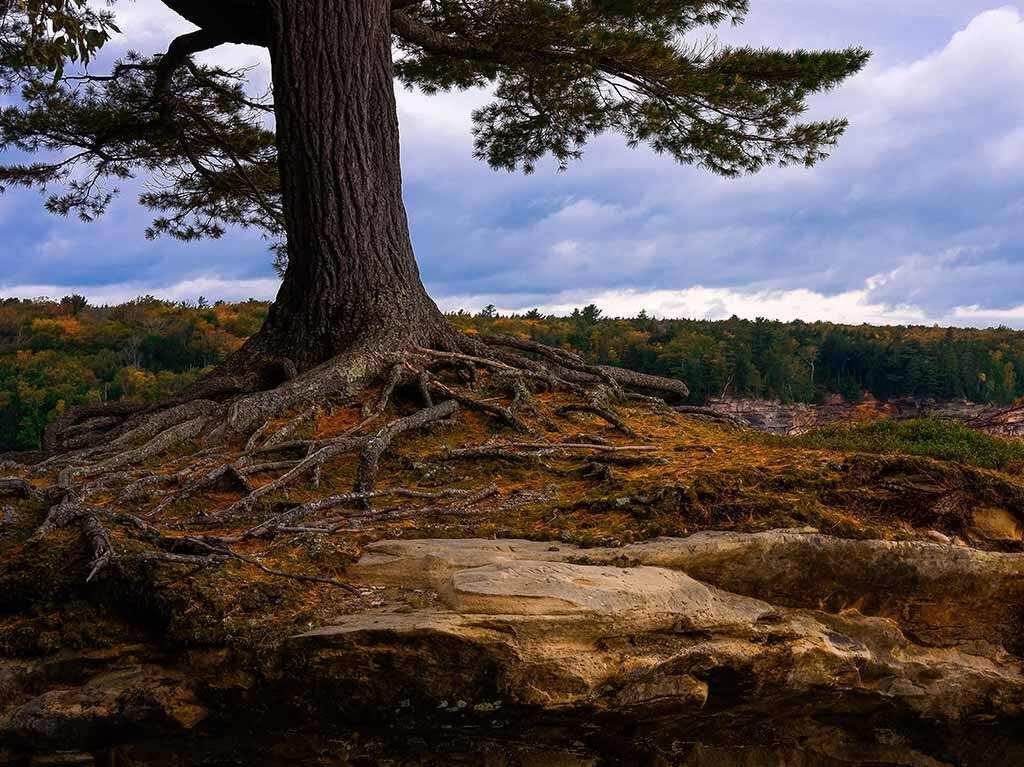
937,594
118,704
718,624
996,524
721,649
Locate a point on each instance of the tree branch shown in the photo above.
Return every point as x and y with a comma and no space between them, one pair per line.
177,56
235,21
430,40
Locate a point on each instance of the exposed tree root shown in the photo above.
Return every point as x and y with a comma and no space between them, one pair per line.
378,408
99,541
463,507
373,445
528,450
296,424
423,382
141,437
524,403
711,415
63,434
103,554
17,487
221,551
575,369
281,521
251,445
144,488
600,412
503,414
208,480
264,468
71,511
369,462
254,439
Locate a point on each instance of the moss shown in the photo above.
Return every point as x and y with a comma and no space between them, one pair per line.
701,476
945,440
72,625
42,570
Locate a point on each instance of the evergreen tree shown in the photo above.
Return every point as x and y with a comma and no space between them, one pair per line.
73,304
590,315
324,182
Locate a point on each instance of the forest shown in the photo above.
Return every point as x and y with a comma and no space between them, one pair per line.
56,354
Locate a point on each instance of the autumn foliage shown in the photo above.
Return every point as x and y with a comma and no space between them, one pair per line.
58,354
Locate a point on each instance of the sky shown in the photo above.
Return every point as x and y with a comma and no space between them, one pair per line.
915,219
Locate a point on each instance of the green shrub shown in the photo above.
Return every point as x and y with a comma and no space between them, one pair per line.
945,440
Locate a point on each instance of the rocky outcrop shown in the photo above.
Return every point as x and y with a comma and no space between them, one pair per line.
778,647
113,706
785,626
780,418
91,699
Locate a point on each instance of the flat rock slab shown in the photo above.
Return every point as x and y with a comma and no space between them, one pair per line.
938,594
773,624
553,588
857,652
138,698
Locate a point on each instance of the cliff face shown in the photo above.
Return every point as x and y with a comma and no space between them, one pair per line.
779,418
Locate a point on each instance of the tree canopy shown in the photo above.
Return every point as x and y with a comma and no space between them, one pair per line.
560,72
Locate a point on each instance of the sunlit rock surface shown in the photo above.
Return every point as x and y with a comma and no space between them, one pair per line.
783,647
791,627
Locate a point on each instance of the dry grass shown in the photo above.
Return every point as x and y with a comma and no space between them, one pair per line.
701,476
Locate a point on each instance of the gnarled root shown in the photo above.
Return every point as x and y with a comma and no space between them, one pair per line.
575,369
257,446
203,552
281,522
529,451
601,412
373,449
16,487
711,415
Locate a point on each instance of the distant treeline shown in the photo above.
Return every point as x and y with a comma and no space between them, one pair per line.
791,361
58,354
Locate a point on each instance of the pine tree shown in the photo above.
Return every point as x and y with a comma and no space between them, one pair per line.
327,182
317,168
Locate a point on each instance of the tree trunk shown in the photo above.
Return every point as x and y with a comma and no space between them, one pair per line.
352,283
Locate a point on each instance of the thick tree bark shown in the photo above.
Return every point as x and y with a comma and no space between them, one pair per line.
352,283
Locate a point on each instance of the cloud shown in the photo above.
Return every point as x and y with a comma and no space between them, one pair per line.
972,68
116,293
928,168
147,24
914,218
1006,152
851,307
55,247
